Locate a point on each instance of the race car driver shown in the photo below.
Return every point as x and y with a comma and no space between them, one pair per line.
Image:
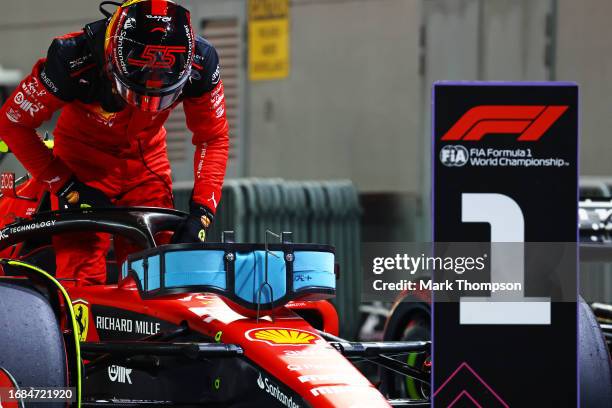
116,82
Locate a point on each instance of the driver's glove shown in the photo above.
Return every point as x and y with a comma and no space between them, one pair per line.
194,227
76,194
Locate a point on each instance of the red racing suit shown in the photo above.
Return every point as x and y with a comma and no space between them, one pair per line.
110,145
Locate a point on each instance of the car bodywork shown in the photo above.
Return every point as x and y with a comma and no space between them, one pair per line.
186,346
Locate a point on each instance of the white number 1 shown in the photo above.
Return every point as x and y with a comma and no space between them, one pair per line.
507,223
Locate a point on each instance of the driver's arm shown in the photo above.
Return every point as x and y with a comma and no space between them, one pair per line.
45,90
205,114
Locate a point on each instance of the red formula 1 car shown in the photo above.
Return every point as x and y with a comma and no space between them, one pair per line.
215,324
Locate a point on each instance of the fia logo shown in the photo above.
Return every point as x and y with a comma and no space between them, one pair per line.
454,156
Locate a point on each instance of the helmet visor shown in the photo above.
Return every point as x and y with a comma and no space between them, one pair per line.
148,100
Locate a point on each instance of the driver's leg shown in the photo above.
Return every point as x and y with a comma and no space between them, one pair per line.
80,257
153,190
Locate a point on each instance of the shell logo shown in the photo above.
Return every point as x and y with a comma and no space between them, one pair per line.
278,336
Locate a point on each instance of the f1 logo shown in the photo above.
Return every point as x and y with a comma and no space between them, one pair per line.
157,56
530,121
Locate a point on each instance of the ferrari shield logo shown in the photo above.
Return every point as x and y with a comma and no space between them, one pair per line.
81,313
282,337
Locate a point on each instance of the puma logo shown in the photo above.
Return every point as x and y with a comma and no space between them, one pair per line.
212,198
51,181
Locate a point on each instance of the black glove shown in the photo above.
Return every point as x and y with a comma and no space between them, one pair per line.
194,228
76,194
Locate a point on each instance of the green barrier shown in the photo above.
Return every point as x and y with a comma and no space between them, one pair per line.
232,214
326,212
296,210
270,205
318,212
252,212
344,232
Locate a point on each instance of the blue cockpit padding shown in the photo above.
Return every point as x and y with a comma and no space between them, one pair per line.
195,268
311,268
313,272
153,271
250,274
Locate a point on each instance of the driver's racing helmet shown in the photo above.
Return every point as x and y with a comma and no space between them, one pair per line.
149,48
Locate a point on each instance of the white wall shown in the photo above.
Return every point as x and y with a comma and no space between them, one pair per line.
584,55
350,108
28,26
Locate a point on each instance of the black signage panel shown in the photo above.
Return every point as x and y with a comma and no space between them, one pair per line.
505,175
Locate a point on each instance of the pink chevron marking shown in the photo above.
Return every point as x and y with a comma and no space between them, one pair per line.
467,394
466,365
